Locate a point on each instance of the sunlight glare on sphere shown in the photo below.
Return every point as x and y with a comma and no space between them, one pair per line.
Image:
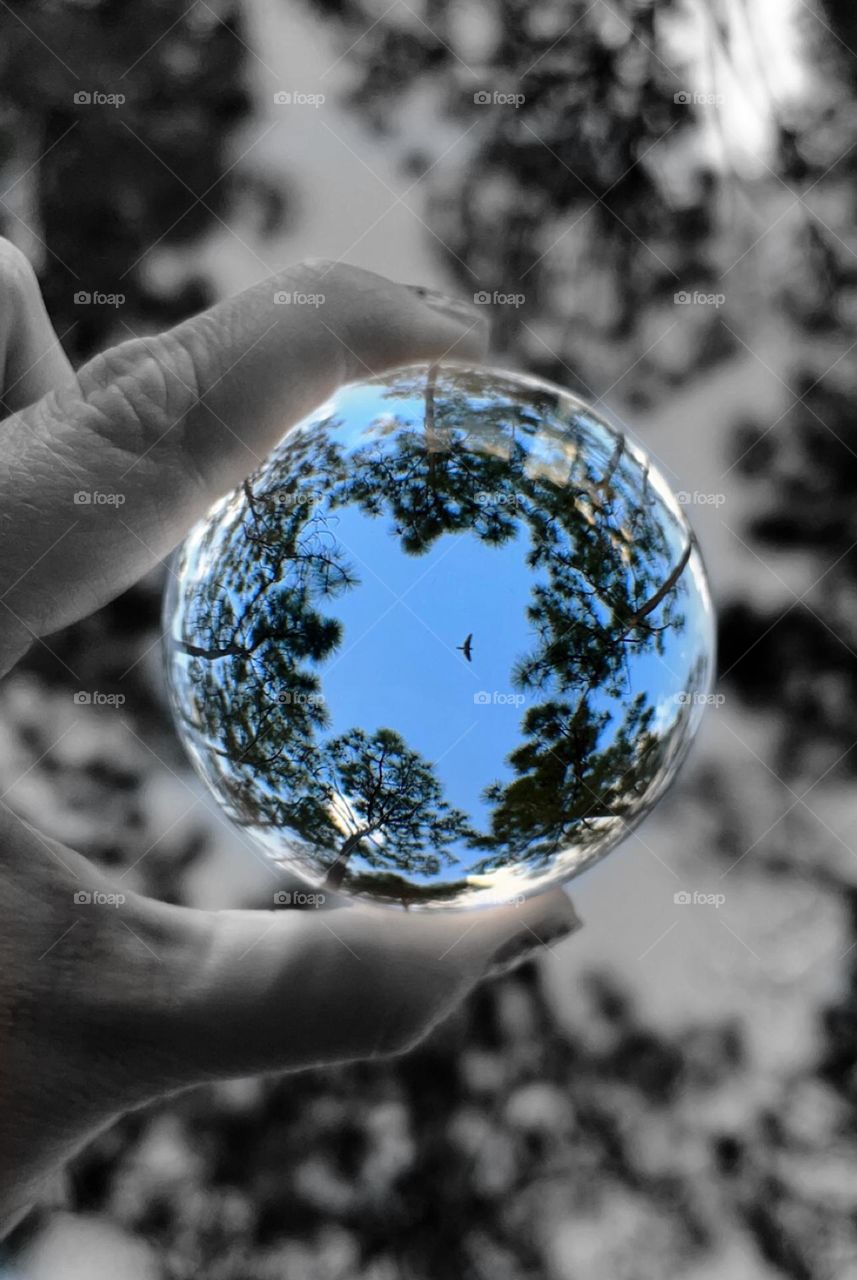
447,645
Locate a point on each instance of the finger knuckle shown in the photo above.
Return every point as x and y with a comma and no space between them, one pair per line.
135,395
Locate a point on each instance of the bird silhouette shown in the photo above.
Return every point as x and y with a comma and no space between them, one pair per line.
467,647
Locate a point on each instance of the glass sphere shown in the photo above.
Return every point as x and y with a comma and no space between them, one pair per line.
447,645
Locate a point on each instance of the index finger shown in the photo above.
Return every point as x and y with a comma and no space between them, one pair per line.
172,422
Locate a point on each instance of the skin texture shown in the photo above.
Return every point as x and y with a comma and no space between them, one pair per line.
102,1011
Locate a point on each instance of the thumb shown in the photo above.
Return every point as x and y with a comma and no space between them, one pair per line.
109,1000
105,476
289,989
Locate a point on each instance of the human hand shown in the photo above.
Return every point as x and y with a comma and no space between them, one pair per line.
100,1014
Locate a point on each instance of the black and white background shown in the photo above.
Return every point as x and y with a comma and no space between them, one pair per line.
656,202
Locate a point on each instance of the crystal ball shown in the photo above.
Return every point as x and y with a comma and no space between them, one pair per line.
447,646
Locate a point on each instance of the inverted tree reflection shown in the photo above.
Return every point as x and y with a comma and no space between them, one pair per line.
448,452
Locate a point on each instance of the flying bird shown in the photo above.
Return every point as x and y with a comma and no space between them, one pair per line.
467,647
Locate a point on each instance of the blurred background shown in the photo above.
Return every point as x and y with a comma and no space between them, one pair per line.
658,198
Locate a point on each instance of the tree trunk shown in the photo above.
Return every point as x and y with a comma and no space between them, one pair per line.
336,872
663,590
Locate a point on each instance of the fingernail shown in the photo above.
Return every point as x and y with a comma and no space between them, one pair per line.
452,308
471,322
527,942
